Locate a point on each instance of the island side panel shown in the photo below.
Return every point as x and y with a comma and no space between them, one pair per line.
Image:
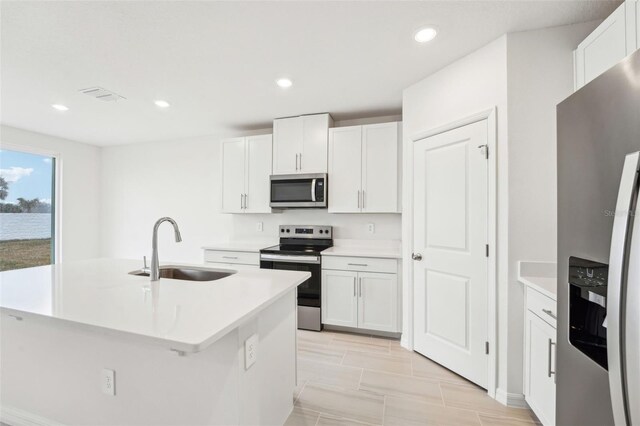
52,371
267,387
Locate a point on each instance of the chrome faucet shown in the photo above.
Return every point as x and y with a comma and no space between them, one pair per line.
155,264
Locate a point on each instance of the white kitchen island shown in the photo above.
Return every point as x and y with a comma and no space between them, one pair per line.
177,347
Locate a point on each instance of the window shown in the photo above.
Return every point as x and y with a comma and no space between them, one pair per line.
27,209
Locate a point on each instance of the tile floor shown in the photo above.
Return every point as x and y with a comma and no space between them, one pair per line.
347,379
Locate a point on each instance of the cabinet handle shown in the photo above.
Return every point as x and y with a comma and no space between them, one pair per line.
245,200
359,287
296,162
357,264
354,286
300,161
550,372
358,198
229,257
550,313
363,198
241,200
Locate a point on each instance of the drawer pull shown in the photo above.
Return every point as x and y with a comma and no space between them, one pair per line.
357,264
550,313
229,257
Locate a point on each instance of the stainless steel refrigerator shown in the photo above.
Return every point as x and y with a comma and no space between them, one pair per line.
598,353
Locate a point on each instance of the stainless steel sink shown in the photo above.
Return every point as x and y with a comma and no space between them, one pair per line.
190,273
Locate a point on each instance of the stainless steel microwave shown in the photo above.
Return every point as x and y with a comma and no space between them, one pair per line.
299,191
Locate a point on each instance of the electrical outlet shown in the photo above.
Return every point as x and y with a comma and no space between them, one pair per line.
108,382
260,226
371,227
250,351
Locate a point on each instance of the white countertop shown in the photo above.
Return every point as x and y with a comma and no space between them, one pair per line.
389,249
541,276
241,245
101,294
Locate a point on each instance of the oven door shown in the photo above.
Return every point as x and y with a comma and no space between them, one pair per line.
299,191
308,291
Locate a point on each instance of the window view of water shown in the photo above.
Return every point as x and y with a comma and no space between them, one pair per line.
27,197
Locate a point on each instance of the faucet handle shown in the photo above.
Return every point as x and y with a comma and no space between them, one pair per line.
144,260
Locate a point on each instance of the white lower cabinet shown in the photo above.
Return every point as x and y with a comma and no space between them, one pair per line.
360,299
540,363
339,301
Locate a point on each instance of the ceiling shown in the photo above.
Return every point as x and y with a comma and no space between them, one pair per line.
217,62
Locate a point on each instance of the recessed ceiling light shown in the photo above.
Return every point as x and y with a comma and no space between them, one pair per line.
162,104
60,107
424,35
284,83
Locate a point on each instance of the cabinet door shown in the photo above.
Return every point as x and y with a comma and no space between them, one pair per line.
257,174
540,387
345,169
380,168
378,301
287,144
339,300
603,48
315,137
233,171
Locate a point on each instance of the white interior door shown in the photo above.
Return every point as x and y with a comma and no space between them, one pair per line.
233,174
450,232
258,171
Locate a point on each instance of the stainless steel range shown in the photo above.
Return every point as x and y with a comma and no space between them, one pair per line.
299,250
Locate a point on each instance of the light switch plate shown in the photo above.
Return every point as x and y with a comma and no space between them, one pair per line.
259,226
250,351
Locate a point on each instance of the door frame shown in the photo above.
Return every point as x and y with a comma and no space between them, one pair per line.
492,226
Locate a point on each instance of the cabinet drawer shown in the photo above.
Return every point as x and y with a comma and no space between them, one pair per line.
542,306
365,264
233,266
235,257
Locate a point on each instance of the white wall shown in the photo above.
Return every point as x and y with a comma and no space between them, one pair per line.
80,174
181,179
524,75
470,85
540,75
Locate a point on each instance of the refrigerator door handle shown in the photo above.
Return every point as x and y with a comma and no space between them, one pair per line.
618,256
632,322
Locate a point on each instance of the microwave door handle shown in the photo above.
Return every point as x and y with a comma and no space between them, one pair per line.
313,190
618,257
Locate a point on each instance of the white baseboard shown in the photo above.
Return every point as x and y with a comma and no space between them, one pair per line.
515,400
17,417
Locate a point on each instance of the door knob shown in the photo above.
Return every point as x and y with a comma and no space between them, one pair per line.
416,256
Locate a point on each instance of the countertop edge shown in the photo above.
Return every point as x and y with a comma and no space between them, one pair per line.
531,282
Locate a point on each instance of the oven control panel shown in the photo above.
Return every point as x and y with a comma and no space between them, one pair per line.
312,231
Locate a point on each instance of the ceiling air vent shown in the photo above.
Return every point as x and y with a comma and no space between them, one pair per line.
102,94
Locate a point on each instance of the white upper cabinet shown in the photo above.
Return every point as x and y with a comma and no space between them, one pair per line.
345,169
380,168
615,38
246,166
364,168
258,170
233,165
300,144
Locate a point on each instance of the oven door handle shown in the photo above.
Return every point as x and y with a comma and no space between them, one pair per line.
290,258
313,190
